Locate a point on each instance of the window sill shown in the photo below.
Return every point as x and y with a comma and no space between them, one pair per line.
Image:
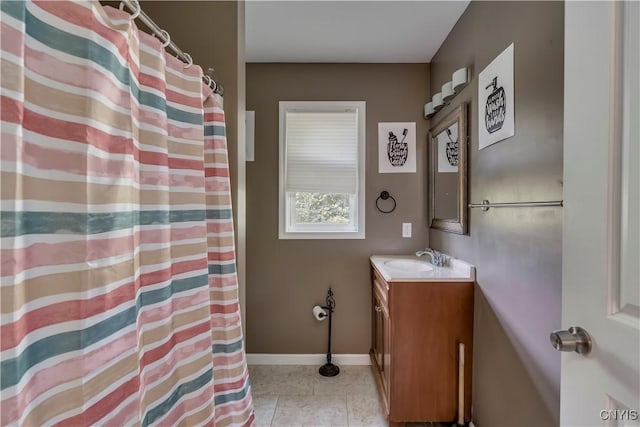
306,235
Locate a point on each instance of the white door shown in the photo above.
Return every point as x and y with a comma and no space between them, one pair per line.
601,286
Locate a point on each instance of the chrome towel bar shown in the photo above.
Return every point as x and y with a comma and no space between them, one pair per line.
485,205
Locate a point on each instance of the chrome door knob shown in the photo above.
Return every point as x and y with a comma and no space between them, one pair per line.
574,339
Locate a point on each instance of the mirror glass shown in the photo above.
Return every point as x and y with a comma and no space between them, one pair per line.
448,172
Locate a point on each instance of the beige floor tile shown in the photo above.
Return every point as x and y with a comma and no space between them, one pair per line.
351,379
298,396
265,407
365,410
281,379
310,411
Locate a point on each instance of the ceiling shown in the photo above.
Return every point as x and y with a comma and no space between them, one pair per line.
348,31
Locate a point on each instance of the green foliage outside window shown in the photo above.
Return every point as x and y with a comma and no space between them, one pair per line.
314,208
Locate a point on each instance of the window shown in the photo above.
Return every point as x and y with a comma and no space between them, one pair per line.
322,155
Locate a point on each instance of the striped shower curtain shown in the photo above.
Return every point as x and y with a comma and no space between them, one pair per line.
119,293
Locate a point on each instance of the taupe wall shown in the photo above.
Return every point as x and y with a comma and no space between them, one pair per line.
517,251
285,278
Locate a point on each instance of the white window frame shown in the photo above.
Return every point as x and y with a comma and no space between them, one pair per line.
316,231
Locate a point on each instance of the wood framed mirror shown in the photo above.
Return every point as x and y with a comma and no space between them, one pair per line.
448,150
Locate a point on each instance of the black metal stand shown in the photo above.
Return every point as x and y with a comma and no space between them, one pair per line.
329,369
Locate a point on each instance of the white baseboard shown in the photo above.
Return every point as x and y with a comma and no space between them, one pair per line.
306,359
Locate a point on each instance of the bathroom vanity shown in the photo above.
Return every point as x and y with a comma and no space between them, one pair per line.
421,314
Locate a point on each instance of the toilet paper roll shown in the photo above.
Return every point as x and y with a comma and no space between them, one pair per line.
319,313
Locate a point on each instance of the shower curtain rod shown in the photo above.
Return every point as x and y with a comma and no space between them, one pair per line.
137,12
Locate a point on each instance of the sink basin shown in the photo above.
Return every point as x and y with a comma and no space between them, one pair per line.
408,266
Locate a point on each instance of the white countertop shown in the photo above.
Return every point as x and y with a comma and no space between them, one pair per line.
455,271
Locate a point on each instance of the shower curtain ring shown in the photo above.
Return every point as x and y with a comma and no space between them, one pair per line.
189,60
167,38
138,9
207,80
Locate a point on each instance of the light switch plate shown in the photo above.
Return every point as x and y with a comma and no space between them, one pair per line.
406,229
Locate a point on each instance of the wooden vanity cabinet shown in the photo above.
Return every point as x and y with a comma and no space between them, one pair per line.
416,331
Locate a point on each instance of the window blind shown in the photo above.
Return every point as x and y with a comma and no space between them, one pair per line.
321,152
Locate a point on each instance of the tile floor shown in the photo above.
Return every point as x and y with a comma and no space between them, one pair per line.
295,396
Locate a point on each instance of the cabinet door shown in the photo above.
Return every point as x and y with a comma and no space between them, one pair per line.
382,342
386,349
378,334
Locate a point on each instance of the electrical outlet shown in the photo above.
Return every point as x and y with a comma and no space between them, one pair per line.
406,229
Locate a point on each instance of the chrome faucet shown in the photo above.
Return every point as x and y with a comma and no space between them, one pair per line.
438,259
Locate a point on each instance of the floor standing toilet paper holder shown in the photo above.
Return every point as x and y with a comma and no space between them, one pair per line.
329,369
